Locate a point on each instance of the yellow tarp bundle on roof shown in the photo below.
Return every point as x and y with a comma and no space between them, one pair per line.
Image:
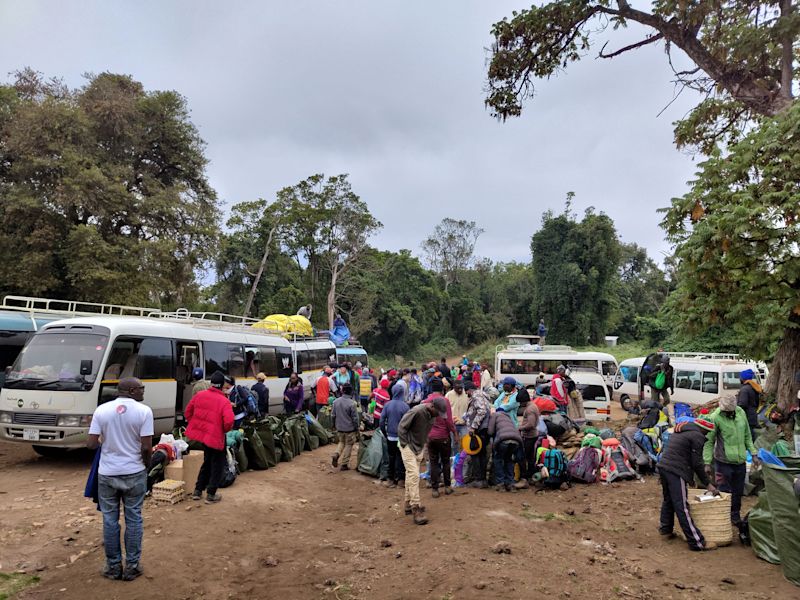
286,324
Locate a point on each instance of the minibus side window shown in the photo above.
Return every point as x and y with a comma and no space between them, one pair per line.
268,364
155,359
711,382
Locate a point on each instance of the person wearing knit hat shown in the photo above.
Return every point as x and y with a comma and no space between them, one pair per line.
726,447
681,461
748,398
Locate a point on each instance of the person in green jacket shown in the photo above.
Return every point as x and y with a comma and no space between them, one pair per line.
727,445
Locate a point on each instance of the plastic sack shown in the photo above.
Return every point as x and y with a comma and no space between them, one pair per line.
762,539
370,456
458,468
166,438
785,508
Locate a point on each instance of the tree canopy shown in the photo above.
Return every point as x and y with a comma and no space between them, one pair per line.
742,53
737,234
103,192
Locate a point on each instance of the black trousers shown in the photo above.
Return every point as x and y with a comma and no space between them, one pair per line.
733,477
397,470
211,470
480,460
439,456
528,462
676,503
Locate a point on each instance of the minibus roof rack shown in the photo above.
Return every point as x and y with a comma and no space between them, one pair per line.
703,355
73,308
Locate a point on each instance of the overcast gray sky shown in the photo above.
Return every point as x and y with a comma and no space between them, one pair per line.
390,92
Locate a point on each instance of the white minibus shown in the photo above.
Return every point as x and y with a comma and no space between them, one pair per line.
524,363
70,366
699,377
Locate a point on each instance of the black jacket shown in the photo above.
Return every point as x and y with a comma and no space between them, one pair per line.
684,454
748,400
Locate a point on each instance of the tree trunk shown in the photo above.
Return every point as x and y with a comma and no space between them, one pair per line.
782,381
332,294
787,55
251,296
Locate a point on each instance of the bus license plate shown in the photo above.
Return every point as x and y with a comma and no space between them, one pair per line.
30,435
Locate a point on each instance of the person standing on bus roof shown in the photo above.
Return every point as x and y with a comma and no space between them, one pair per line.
210,417
542,332
126,428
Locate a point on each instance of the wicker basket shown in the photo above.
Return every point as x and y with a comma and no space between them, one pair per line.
169,491
712,518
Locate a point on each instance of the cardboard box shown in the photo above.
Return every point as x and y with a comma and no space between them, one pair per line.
186,469
174,470
192,461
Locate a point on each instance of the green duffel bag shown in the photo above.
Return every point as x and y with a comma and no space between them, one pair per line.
241,457
256,455
284,444
306,434
370,454
294,435
315,429
264,429
314,442
325,419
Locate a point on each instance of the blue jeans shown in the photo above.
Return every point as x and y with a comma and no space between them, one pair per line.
131,490
504,460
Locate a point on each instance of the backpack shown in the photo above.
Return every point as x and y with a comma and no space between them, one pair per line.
584,465
246,402
556,465
559,424
616,463
639,457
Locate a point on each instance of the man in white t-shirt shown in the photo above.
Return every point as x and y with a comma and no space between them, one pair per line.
125,428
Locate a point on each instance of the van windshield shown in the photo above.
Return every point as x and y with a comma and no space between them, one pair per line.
53,361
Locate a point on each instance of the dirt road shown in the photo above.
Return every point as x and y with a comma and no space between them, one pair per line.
302,530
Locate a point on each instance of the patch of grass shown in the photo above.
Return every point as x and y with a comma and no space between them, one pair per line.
534,516
622,351
12,583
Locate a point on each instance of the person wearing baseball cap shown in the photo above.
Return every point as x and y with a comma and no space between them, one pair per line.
681,462
413,433
748,398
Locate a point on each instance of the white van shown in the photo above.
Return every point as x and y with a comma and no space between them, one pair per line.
525,362
699,377
593,389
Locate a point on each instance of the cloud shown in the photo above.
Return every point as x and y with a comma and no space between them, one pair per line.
391,93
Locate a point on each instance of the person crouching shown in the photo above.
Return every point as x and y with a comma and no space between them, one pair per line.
507,442
681,461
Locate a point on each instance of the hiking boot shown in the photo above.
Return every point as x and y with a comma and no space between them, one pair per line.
522,484
499,488
435,492
419,516
132,572
112,572
448,490
480,484
667,535
401,483
510,488
197,495
407,508
344,468
389,483
564,486
335,460
213,498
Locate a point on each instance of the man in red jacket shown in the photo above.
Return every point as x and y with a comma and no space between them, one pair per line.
210,416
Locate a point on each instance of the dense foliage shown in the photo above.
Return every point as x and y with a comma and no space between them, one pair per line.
742,52
103,193
737,234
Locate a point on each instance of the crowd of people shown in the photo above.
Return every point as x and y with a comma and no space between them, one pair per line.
428,416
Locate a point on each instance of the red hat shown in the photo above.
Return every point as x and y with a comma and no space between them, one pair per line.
385,384
703,411
707,425
392,372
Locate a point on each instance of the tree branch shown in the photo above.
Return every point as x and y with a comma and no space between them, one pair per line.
644,42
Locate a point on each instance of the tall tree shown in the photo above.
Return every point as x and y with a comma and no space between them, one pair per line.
103,192
737,233
449,249
330,224
574,273
640,293
743,54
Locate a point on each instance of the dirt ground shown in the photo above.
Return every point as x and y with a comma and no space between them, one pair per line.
302,530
